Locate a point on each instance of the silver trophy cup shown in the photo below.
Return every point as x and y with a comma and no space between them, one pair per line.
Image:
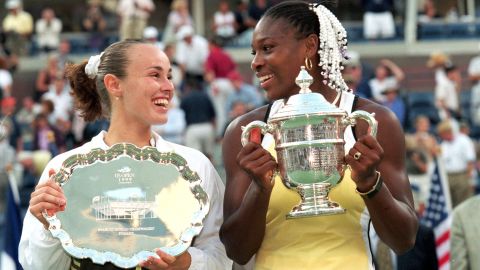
308,133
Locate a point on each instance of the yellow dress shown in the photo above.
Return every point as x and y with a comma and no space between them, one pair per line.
324,242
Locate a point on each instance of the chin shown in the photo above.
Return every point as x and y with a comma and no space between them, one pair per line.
159,121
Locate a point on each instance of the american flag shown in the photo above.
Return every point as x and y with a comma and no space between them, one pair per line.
438,215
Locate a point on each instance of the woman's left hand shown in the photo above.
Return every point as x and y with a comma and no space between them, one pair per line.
166,261
363,159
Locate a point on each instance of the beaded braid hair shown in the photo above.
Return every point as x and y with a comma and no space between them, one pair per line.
317,19
332,48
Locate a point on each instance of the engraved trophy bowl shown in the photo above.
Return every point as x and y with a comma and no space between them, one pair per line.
309,138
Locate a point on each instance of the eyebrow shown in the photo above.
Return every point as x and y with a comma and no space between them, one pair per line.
159,68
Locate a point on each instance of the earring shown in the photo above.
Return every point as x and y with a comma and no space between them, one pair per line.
117,98
308,63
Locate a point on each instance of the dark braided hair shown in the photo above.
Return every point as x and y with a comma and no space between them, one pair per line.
298,15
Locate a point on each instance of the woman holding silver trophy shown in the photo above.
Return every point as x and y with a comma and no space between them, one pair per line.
130,83
341,194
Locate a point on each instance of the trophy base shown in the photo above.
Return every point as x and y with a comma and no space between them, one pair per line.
315,202
303,211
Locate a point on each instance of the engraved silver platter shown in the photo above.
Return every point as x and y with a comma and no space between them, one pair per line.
125,202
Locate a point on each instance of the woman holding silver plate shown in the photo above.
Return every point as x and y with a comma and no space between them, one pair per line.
130,82
375,189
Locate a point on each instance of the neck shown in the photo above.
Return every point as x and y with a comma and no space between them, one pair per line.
121,131
319,87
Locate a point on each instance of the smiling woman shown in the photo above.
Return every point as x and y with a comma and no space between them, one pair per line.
290,35
129,83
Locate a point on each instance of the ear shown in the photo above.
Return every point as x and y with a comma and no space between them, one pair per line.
112,83
311,44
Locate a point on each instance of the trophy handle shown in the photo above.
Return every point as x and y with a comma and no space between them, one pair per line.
255,124
368,117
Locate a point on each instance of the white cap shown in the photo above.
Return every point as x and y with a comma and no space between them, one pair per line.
13,4
150,32
184,32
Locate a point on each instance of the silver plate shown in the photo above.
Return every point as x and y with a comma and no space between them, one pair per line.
125,202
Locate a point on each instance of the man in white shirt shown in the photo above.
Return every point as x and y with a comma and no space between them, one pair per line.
134,16
474,76
48,30
446,93
458,156
191,53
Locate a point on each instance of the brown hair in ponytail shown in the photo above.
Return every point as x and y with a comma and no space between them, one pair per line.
90,95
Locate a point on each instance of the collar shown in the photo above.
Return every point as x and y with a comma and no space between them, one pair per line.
156,141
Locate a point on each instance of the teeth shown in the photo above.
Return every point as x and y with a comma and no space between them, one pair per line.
264,78
163,102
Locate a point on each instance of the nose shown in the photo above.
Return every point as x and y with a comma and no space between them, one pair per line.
257,62
168,87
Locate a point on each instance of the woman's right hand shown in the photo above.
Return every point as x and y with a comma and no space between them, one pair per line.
47,196
258,163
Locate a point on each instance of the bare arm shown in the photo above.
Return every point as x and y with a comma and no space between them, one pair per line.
247,192
395,69
391,209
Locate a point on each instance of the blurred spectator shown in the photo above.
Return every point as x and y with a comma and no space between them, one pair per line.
395,103
47,137
238,109
428,11
179,16
422,149
6,79
7,160
59,94
246,93
46,77
18,26
191,54
48,29
438,61
95,24
243,21
423,143
447,94
177,75
134,15
47,108
9,120
217,66
378,19
174,129
465,234
387,75
458,156
224,23
256,9
474,76
64,54
200,118
150,34
25,117
353,72
218,63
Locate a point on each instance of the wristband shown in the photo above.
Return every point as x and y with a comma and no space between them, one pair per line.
375,189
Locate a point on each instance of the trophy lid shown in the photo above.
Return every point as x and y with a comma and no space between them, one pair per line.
306,101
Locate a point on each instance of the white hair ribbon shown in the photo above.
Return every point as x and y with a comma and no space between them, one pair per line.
91,69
